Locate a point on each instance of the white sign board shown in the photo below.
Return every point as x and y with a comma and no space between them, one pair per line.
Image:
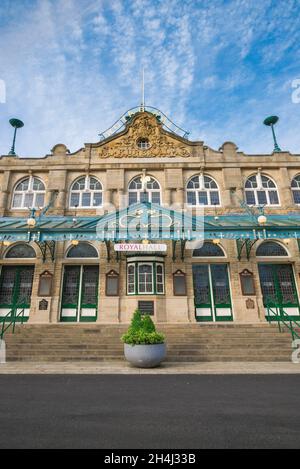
126,247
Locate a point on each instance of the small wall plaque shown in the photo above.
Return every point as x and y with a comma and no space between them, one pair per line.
247,283
43,305
45,284
112,283
146,307
250,304
179,283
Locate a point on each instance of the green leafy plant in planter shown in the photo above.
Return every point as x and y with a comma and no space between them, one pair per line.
143,346
142,331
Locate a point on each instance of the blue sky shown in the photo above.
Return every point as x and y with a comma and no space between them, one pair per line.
215,67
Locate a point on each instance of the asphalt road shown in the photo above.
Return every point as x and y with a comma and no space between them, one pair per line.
149,411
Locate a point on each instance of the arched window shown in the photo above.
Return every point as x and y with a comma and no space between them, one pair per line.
82,250
29,193
209,250
151,193
271,249
296,189
21,251
261,190
202,190
86,192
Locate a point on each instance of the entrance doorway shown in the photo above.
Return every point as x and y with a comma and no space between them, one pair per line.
279,289
80,293
212,292
15,291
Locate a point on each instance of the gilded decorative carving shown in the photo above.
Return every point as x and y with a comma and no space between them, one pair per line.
144,126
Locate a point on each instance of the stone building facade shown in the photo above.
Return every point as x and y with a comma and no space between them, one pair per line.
212,283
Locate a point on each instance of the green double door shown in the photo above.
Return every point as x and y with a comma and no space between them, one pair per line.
15,291
212,292
279,289
80,293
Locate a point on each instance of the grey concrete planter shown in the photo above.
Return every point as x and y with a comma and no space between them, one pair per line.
145,356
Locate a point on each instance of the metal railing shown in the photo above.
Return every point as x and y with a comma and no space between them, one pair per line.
10,320
283,320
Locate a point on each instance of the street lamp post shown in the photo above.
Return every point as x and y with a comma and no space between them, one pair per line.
270,122
16,124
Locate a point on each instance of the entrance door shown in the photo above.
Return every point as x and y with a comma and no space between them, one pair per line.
80,293
279,289
212,292
15,290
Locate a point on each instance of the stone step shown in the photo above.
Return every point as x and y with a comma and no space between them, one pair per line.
185,342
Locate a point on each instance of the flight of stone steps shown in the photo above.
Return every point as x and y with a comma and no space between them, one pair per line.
185,342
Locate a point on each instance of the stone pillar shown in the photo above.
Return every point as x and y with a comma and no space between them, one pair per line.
232,180
284,186
60,204
180,197
167,197
190,293
107,196
5,192
57,282
108,306
176,306
226,198
245,308
3,202
39,314
121,199
49,194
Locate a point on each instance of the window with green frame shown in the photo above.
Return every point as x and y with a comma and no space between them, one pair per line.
145,278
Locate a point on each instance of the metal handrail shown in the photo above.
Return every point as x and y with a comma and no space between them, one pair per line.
5,328
283,318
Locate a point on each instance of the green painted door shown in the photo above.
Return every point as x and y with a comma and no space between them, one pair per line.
279,289
212,292
202,293
15,290
221,292
80,293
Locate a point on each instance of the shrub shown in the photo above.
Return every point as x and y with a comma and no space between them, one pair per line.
142,331
136,321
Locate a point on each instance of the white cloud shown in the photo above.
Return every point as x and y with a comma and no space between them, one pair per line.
72,67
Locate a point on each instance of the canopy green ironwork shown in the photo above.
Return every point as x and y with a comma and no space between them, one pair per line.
152,222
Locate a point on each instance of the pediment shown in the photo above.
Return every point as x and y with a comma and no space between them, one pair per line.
144,125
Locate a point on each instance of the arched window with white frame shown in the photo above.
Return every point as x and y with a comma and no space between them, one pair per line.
86,192
295,186
29,193
150,193
261,190
202,190
271,249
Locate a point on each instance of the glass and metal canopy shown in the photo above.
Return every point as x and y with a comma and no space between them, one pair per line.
146,221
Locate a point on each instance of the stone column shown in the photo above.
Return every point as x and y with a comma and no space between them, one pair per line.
107,196
180,197
226,198
166,199
284,187
5,192
49,194
60,204
3,202
120,199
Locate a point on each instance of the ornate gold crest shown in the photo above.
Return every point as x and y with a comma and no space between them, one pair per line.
144,126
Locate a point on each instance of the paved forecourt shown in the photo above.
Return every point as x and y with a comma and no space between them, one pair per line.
121,367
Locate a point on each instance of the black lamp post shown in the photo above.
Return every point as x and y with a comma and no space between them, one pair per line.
270,122
16,124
